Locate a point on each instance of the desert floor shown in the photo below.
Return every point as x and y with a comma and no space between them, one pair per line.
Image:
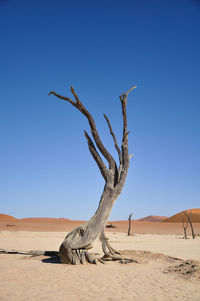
158,275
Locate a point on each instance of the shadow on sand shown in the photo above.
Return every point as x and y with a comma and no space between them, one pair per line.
51,259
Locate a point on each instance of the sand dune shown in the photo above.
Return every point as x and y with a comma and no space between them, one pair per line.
37,224
152,218
65,225
5,217
178,218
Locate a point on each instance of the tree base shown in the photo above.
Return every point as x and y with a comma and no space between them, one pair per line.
79,256
82,256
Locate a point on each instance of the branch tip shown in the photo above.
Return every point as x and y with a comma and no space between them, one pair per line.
75,95
126,93
132,88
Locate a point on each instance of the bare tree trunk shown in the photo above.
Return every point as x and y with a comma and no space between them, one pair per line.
74,248
185,228
189,216
129,224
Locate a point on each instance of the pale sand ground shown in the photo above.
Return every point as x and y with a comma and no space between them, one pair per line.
31,278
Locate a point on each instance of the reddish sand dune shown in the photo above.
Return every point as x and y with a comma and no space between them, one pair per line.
10,223
65,225
178,218
5,217
152,218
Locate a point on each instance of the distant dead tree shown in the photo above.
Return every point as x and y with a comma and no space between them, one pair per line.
189,218
74,249
185,227
129,224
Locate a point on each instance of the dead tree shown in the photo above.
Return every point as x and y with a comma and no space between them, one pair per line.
74,248
189,217
129,224
185,227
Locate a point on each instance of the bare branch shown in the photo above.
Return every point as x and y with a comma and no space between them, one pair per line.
134,87
75,95
96,156
78,104
115,140
125,155
62,97
123,99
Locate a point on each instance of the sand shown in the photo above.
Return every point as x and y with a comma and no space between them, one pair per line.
154,277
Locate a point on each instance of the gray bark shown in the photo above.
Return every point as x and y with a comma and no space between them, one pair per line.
74,248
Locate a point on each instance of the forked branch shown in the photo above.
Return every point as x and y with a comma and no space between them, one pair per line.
78,104
116,174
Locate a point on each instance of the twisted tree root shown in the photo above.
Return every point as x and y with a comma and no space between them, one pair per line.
106,244
109,254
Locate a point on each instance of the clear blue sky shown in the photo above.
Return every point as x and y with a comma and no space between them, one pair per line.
101,48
